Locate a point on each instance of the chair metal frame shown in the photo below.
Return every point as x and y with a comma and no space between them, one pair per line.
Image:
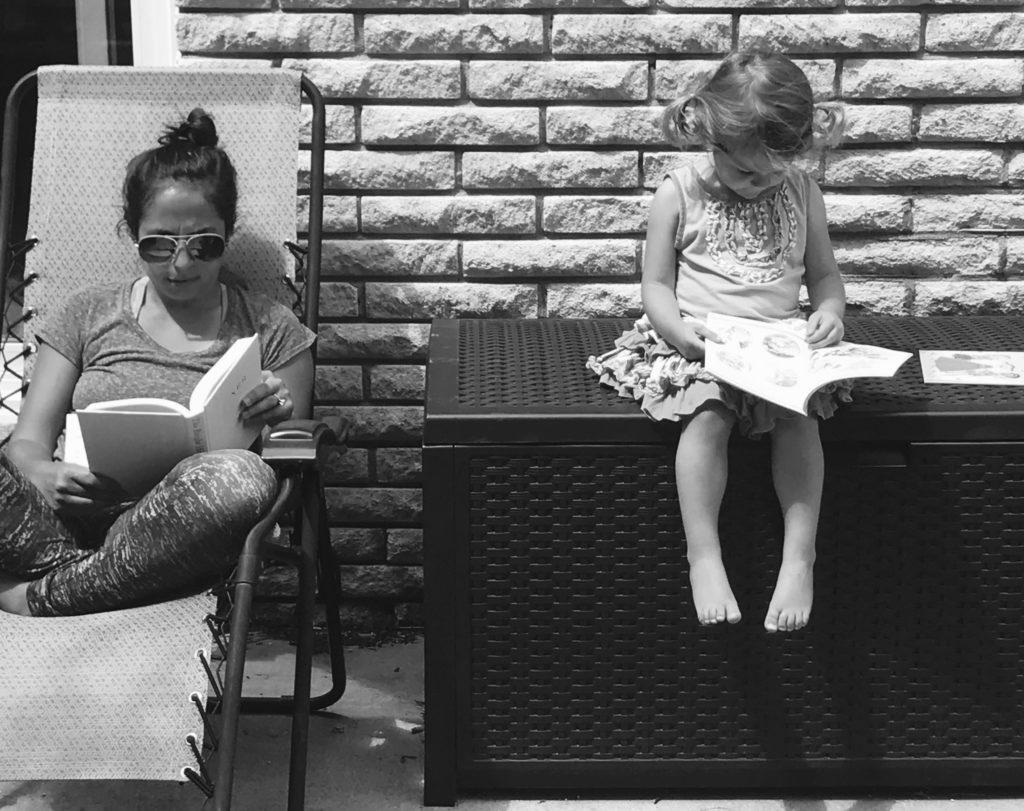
297,449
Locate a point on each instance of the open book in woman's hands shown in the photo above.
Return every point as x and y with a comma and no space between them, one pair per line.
137,441
771,359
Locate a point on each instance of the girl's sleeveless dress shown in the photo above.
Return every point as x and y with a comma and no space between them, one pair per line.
738,257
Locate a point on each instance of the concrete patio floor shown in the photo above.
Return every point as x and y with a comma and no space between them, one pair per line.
367,755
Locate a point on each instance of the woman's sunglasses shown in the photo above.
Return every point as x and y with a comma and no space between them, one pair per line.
162,248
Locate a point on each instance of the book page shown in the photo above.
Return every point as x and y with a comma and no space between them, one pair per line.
974,368
769,359
217,396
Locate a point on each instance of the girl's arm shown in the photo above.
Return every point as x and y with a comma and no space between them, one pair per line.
821,275
67,488
658,283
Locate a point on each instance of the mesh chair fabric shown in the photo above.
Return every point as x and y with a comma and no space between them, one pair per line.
92,696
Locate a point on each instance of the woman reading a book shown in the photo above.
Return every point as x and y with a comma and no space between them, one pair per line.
737,232
71,541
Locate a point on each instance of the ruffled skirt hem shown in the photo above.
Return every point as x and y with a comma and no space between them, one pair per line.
643,367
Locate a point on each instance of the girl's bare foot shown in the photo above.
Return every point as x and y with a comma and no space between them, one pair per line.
790,607
13,595
712,595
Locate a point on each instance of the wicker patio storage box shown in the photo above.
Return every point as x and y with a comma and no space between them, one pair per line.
563,654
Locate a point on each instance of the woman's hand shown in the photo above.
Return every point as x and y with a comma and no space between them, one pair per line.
268,403
75,490
824,328
691,338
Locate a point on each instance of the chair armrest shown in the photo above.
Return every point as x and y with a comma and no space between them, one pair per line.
303,441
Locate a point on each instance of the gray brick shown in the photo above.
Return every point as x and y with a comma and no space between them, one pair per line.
915,167
350,171
221,5
928,78
523,5
379,79
643,34
339,214
380,424
919,258
266,33
1014,259
441,34
833,33
1015,169
557,81
562,257
594,300
451,126
462,214
370,258
399,466
574,214
339,300
561,170
612,126
376,5
743,5
405,546
976,32
380,582
397,382
968,298
412,301
347,466
376,582
878,123
233,62
972,122
373,341
360,544
868,213
950,212
878,298
339,383
339,124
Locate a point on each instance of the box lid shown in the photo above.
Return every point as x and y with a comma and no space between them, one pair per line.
524,381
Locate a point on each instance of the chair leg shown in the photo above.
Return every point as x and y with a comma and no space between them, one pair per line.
241,614
305,617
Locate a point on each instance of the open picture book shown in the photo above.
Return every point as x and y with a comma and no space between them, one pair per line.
773,361
138,440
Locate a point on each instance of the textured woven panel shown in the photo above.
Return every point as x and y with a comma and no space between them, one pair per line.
103,696
532,365
93,120
583,644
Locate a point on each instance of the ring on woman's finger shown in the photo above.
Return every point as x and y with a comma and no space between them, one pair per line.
281,401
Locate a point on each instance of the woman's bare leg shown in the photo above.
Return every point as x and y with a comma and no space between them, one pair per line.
701,473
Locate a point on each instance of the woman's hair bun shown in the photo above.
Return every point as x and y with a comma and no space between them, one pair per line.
196,130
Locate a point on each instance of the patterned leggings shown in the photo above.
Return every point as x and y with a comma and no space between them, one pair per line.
178,539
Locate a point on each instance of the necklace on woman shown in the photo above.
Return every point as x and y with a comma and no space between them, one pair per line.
206,332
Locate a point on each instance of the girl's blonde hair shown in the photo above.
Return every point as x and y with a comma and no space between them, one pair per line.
757,96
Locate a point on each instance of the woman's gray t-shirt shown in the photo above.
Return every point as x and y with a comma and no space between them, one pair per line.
97,332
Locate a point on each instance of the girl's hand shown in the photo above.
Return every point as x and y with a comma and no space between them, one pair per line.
824,328
268,403
691,338
75,490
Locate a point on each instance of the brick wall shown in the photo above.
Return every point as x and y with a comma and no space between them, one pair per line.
495,158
